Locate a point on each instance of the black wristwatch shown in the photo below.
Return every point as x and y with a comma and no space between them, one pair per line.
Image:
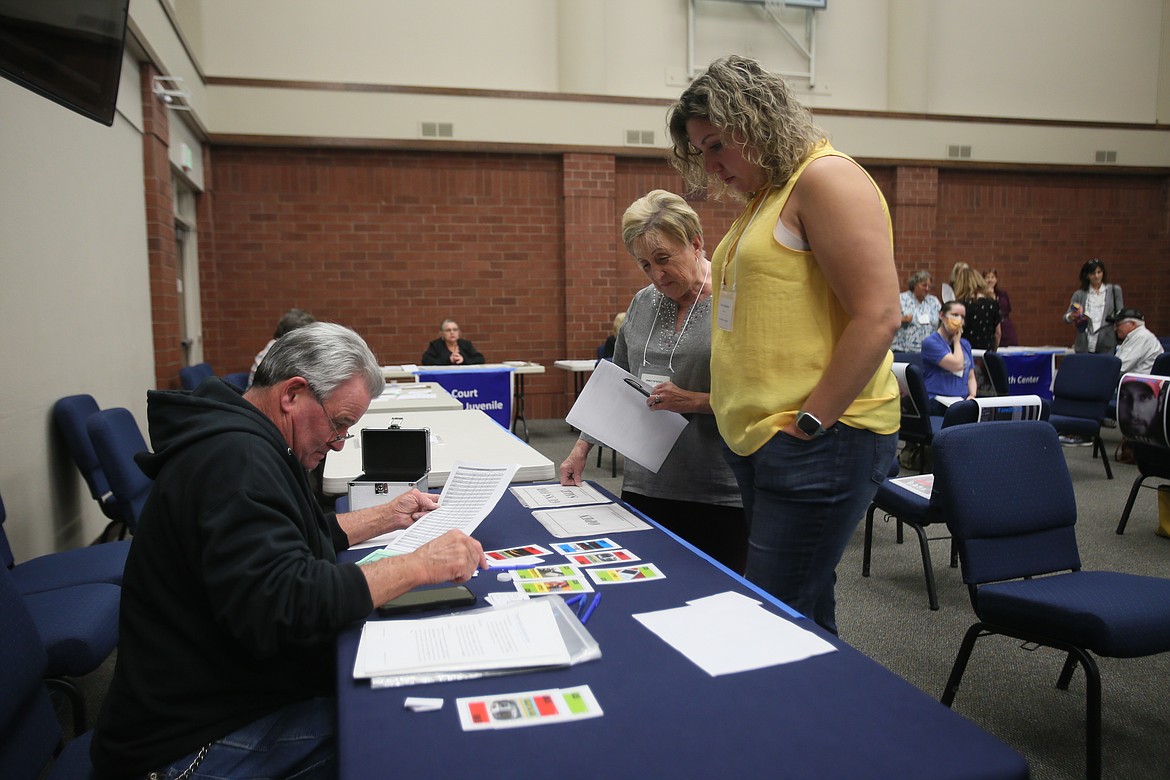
810,425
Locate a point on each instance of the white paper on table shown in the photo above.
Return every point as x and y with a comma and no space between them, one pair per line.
722,641
616,414
540,496
588,520
469,494
518,637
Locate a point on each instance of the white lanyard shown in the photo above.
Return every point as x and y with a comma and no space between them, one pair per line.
658,308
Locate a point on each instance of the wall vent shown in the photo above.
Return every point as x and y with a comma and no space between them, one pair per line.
1106,156
959,151
639,138
438,130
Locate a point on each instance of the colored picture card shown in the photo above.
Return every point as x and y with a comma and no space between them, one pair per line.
610,556
641,573
563,585
515,554
547,573
585,545
531,708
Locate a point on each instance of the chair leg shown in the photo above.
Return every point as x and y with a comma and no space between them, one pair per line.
76,701
600,449
1092,705
613,463
1133,491
1098,444
973,633
927,566
866,549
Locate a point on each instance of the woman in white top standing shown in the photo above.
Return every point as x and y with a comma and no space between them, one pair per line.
1089,307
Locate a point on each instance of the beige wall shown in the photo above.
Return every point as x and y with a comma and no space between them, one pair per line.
1047,59
74,298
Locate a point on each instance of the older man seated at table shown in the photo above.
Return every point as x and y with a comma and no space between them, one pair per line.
233,596
1137,345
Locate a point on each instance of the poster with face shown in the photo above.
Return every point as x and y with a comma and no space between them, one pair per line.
1141,408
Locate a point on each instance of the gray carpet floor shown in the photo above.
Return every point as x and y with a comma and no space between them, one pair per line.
1008,690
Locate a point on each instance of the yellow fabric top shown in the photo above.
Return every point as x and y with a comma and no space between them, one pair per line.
787,322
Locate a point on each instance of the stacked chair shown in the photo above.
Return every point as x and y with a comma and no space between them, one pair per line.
72,598
116,440
71,415
30,733
191,376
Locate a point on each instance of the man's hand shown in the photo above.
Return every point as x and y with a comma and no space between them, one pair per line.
409,507
450,558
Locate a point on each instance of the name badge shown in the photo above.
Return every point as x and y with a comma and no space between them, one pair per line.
726,314
923,318
655,379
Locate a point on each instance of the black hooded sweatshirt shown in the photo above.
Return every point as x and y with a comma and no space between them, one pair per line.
232,596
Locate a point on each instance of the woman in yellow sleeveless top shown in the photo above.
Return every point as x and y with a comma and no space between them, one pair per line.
806,306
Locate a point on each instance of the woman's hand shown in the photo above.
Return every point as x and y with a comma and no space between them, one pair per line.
670,397
573,469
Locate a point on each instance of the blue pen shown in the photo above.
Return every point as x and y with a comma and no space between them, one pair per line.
513,568
578,599
592,606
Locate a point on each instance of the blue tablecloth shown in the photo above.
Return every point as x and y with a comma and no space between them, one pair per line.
839,715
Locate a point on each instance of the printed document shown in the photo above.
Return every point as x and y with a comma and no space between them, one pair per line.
470,493
522,636
613,411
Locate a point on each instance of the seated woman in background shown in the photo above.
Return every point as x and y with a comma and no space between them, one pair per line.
450,350
611,339
1007,328
666,342
919,313
947,366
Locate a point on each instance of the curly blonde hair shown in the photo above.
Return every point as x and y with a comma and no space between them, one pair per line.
751,108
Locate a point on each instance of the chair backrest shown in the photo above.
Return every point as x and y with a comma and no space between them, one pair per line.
191,376
116,440
29,729
996,368
916,426
70,415
600,352
967,411
909,357
1084,385
237,379
1161,365
1004,490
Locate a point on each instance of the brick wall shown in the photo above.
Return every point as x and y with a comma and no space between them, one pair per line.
524,252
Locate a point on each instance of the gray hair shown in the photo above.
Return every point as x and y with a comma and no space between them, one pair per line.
660,212
326,355
916,277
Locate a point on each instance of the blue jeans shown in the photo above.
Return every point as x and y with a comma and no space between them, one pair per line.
803,500
299,741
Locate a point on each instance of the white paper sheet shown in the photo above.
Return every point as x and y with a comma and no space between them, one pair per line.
588,520
541,496
726,634
614,413
469,494
517,637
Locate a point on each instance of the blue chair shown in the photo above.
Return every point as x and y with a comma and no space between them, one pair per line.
238,380
30,732
1018,548
1081,394
116,440
911,509
918,426
191,376
70,414
81,566
1153,462
996,368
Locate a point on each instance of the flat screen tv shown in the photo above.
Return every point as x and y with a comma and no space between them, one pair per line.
69,51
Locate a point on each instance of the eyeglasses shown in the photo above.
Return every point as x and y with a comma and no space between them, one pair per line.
338,436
